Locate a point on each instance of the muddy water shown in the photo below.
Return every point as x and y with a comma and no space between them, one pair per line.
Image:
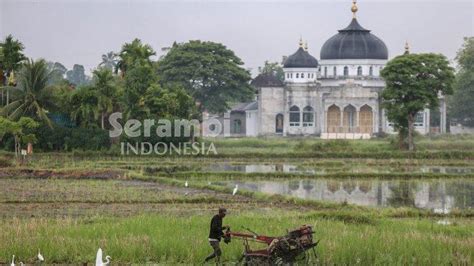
437,195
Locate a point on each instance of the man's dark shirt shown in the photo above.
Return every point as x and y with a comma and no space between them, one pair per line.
216,228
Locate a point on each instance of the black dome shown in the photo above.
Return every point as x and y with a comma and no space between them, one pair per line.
354,42
301,59
266,80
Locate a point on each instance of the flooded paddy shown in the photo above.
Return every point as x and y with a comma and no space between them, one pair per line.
325,169
436,195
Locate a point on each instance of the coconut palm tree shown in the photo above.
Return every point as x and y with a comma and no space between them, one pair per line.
84,103
109,60
12,51
134,53
31,97
106,92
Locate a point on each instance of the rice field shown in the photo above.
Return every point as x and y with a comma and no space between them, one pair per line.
182,238
139,210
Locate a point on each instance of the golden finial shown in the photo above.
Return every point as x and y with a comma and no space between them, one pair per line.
407,48
354,8
306,46
301,42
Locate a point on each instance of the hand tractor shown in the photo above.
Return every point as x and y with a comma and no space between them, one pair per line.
283,250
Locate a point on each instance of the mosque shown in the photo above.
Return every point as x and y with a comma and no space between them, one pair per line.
336,97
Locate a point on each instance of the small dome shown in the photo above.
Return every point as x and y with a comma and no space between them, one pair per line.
354,42
266,80
300,59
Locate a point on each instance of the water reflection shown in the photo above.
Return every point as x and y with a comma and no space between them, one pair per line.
357,168
439,196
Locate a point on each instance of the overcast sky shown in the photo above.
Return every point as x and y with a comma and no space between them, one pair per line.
80,31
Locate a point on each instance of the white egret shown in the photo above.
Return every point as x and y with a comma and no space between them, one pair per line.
40,257
13,261
186,185
235,190
98,259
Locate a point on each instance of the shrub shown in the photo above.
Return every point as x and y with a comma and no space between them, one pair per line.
67,139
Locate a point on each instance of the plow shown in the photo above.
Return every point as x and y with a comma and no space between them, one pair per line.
296,246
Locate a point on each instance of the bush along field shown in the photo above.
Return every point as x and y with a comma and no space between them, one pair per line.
390,209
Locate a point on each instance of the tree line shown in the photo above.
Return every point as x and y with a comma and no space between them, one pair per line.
69,110
72,110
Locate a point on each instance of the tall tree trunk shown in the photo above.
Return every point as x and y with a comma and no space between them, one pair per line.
8,97
102,121
411,128
17,144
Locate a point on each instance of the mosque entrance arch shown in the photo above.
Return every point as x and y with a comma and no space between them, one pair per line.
334,119
366,118
349,120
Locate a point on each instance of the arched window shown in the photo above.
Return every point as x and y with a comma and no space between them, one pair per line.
237,126
302,75
359,71
308,116
295,116
371,71
334,119
346,71
279,123
366,119
349,119
297,75
325,72
334,70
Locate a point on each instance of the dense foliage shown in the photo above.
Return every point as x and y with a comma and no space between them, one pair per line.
273,68
72,109
211,73
414,82
461,104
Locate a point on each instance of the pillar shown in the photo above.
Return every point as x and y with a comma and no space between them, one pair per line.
357,121
442,117
227,124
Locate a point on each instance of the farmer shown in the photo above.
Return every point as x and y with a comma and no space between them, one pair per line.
215,234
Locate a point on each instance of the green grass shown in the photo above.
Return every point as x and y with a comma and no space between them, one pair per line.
92,191
183,239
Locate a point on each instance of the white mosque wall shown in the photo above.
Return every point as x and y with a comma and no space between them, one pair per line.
300,75
374,83
327,67
302,96
251,123
270,104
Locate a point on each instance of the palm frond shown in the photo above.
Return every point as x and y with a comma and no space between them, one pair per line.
9,108
42,115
